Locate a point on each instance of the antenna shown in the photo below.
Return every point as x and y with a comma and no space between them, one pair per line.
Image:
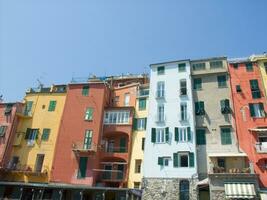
40,83
1,98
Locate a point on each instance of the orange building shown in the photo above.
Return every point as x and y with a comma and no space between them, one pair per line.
250,113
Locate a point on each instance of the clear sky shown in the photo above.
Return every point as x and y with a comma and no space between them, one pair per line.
55,40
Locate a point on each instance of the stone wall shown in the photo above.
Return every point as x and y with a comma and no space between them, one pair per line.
166,188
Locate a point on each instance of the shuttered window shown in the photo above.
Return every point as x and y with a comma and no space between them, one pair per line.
88,139
249,67
197,84
255,90
201,136
199,108
89,114
161,70
82,167
226,136
181,67
46,133
52,106
28,108
153,135
221,81
182,134
225,106
142,104
85,90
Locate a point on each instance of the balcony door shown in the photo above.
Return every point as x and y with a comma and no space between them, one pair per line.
39,163
110,146
120,171
108,172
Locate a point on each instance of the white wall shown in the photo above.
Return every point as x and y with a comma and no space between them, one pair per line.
171,102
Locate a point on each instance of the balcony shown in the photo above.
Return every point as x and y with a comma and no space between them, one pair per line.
80,147
113,176
261,147
143,93
115,152
24,113
28,170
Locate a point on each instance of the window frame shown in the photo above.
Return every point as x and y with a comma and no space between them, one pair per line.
222,81
89,112
226,137
182,67
160,70
46,134
85,90
183,87
52,105
218,64
249,67
197,84
160,89
141,104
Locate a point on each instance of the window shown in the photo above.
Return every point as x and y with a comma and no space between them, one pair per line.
143,92
8,109
182,134
256,110
199,108
13,163
85,90
88,139
46,133
216,64
235,65
143,143
225,106
161,70
2,130
140,124
160,135
39,162
226,136
89,114
126,99
137,185
199,66
160,115
82,167
28,108
265,65
197,83
142,104
52,105
201,136
181,67
137,168
238,88
221,81
160,89
183,108
249,67
163,161
31,135
117,117
183,90
183,160
255,90
221,162
184,190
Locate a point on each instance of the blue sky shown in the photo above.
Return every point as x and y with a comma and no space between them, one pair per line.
55,40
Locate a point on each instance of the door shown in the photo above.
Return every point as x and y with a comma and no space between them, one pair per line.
184,190
108,172
120,172
39,162
111,146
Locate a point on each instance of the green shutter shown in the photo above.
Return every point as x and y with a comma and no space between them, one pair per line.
167,134
201,105
201,137
37,134
160,160
189,133
153,135
85,90
142,103
251,109
28,132
135,124
196,107
176,134
87,139
175,160
222,102
52,106
45,135
123,144
28,108
226,136
145,122
82,167
261,107
191,159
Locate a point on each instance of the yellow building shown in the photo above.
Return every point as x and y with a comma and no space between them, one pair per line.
262,63
138,138
35,140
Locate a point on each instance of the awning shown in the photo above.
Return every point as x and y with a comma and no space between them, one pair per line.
258,129
227,155
239,190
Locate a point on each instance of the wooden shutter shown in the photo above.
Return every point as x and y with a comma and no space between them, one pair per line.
251,109
201,105
39,162
160,160
176,134
191,159
82,167
196,107
153,135
145,122
28,132
167,137
261,107
189,133
135,124
175,160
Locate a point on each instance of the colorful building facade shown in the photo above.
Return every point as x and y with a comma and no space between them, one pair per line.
250,108
138,137
170,167
35,139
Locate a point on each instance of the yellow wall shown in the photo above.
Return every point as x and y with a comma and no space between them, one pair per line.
41,118
137,152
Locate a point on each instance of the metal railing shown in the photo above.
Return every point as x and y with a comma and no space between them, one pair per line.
222,170
116,150
112,175
81,146
27,169
261,147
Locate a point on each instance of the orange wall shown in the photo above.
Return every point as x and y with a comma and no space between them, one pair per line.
246,138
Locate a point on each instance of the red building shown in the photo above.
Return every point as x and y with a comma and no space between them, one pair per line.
8,124
250,113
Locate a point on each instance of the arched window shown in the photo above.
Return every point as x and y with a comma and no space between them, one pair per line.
184,190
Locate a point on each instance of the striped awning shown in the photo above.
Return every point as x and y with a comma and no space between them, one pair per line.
239,190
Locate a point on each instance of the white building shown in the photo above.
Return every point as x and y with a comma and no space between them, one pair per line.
170,169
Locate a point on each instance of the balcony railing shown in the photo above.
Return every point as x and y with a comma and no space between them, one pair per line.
28,169
81,147
261,147
22,112
143,93
116,150
222,170
113,175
